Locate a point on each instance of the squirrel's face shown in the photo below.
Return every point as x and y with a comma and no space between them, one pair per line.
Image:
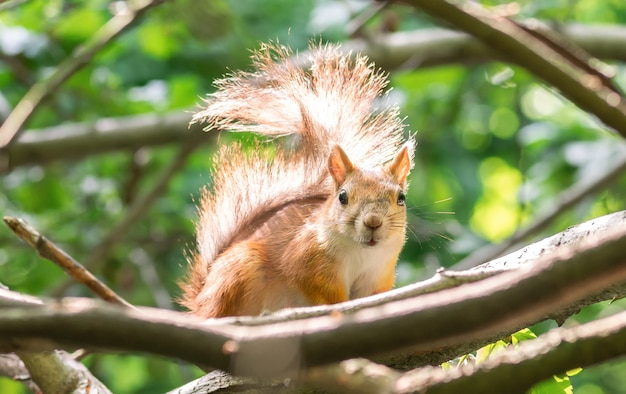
369,204
369,208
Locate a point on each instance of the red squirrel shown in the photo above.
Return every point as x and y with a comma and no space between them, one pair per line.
321,220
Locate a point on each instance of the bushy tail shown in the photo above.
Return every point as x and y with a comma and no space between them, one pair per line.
334,101
331,102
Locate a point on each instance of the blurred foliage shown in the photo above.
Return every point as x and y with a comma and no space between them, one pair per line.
495,146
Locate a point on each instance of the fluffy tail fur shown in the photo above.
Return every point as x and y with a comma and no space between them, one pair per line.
333,102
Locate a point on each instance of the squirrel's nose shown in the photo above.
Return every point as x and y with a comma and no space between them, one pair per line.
373,221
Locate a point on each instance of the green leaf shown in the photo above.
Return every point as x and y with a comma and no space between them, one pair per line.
554,385
483,353
574,372
522,335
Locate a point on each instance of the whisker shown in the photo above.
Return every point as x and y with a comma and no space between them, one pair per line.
441,235
415,236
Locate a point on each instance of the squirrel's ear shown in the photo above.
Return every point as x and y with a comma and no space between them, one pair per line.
339,165
401,166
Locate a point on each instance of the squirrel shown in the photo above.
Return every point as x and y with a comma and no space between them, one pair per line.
318,219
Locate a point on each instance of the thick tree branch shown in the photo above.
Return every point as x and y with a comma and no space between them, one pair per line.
438,47
78,140
356,375
57,372
426,323
51,371
221,382
519,46
12,367
556,352
515,370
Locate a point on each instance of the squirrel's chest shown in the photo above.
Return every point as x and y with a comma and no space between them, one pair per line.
363,267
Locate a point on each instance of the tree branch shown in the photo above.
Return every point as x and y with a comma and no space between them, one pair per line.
81,56
495,306
50,251
564,201
503,35
77,140
12,367
556,352
514,370
51,371
57,372
221,382
435,47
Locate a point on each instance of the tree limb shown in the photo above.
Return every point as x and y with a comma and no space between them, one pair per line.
497,305
514,370
77,140
555,352
57,372
221,382
50,251
81,56
435,47
50,371
511,40
378,379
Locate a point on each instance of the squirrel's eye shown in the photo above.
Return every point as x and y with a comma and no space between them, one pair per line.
401,198
343,197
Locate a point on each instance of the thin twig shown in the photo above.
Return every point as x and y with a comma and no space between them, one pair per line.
356,25
50,251
81,56
146,267
566,200
137,209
